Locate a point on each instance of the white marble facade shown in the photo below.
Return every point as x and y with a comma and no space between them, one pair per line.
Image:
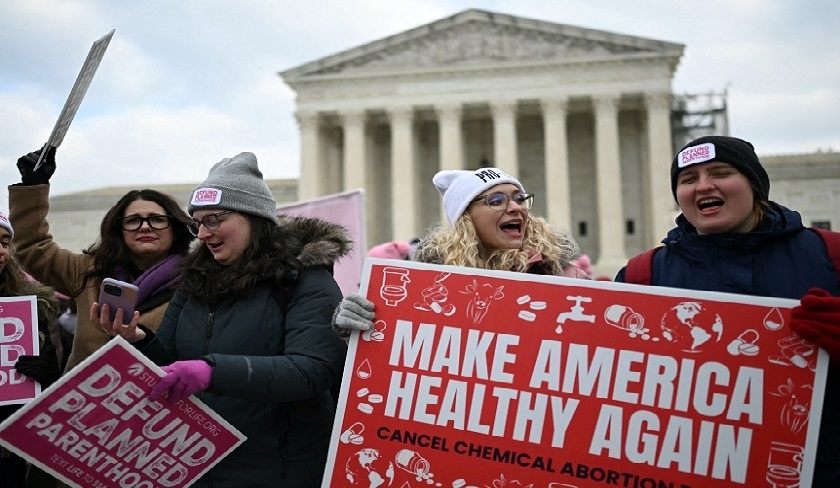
575,113
581,116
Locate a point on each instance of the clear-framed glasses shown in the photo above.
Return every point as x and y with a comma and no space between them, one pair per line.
157,222
501,201
210,222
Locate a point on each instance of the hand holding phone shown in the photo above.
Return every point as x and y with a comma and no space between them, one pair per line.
118,294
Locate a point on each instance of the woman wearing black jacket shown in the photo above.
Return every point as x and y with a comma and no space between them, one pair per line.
265,363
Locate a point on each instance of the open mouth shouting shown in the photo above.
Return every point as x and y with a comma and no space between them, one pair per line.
512,228
709,203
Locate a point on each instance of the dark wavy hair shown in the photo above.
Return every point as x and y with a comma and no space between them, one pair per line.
110,251
267,258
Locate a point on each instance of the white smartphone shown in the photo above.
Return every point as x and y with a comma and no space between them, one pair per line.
118,294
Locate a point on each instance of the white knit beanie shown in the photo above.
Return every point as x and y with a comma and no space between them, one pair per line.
4,222
235,184
460,187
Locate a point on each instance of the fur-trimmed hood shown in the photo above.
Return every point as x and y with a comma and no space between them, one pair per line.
315,242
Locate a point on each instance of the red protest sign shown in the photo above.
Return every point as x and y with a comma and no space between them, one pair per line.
96,427
18,337
474,378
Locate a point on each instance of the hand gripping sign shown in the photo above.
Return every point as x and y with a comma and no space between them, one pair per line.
96,427
77,93
524,380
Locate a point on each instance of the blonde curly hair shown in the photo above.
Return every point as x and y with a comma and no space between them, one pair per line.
459,245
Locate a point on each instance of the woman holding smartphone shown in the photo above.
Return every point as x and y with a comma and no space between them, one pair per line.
267,364
142,237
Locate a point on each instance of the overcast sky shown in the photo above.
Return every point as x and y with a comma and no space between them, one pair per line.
185,83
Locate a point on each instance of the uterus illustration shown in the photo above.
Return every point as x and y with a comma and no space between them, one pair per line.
393,289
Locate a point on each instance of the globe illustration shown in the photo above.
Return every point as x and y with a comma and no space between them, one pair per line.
368,468
690,326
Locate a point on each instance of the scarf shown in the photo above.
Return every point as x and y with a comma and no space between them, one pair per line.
161,276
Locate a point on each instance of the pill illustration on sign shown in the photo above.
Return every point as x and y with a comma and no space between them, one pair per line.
365,408
353,435
526,315
523,299
537,305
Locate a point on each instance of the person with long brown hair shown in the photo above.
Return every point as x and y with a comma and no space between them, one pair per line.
248,330
142,238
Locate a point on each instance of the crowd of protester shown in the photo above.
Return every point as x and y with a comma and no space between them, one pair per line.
212,278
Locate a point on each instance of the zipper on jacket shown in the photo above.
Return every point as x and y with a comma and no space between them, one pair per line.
209,335
207,338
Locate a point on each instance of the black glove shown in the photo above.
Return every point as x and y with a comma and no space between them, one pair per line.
26,165
43,368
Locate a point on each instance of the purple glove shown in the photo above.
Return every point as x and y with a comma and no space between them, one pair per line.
183,378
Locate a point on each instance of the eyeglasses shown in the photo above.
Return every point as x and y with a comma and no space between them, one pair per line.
157,222
210,222
501,201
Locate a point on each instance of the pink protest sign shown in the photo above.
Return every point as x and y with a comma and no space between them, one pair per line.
474,379
96,427
18,337
346,209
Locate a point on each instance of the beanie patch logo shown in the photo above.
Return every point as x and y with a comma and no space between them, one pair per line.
206,196
696,154
489,175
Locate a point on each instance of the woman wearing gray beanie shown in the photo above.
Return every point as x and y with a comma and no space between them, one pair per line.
249,329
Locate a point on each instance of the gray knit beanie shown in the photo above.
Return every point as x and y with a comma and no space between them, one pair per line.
235,184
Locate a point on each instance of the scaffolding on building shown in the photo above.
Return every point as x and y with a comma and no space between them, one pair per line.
696,115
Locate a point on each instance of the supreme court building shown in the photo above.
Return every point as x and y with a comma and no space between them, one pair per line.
580,116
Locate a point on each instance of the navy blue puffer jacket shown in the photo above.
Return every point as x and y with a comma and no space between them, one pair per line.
781,258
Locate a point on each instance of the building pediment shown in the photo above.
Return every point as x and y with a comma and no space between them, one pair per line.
475,38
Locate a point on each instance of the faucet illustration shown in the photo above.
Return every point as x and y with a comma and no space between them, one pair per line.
575,314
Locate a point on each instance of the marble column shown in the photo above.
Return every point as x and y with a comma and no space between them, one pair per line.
658,174
403,174
451,136
557,181
505,155
355,153
311,171
608,184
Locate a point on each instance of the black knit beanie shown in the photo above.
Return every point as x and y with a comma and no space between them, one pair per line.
737,152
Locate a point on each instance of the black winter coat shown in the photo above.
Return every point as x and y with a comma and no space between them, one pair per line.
273,371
